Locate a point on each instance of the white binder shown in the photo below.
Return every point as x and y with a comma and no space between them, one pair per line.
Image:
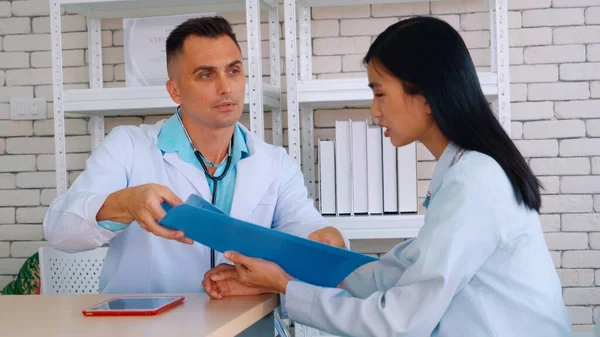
390,176
374,170
343,174
407,178
327,177
359,167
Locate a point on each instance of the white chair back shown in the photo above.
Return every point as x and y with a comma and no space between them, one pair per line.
70,273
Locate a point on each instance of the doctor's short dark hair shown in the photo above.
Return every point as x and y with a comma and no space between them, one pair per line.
207,26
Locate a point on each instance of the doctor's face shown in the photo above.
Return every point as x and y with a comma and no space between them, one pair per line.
208,81
404,117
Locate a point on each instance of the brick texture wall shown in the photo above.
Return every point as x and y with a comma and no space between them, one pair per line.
555,92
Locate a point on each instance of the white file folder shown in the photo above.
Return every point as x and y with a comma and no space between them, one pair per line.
327,177
374,170
359,167
407,178
343,174
390,176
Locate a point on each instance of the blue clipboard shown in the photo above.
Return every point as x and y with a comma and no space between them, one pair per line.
308,261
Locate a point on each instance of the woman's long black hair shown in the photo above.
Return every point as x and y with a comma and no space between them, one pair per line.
431,59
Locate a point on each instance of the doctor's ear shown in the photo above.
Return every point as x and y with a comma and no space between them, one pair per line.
173,91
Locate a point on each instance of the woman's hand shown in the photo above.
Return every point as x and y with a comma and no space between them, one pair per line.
229,286
329,236
254,272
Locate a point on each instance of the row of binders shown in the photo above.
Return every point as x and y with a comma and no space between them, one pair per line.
361,172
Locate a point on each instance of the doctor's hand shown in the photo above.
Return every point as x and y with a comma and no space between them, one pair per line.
228,283
328,235
254,272
142,204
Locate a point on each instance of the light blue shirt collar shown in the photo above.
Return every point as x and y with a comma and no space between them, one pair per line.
449,157
172,138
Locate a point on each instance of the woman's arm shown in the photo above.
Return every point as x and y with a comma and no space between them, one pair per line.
459,235
368,279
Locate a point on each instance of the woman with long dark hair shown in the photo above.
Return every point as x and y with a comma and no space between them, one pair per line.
480,265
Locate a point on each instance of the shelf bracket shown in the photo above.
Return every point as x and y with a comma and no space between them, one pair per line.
275,61
500,59
306,112
95,75
292,79
57,84
255,80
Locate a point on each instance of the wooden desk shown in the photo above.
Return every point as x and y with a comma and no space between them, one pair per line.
60,315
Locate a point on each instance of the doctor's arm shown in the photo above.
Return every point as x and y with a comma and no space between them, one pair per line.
97,205
295,212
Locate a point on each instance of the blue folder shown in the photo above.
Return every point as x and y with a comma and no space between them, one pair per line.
306,260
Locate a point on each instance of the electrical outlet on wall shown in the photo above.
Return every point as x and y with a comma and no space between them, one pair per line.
27,108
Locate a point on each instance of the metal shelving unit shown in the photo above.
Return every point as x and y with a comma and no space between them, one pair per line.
304,94
98,102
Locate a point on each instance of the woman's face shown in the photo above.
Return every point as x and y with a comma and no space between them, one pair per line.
405,118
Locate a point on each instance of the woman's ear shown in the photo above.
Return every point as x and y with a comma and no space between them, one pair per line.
426,106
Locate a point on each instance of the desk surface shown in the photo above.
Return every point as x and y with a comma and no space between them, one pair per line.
60,315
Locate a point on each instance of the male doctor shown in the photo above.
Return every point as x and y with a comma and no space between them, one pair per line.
201,149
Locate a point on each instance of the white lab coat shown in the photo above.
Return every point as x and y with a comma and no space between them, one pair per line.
269,191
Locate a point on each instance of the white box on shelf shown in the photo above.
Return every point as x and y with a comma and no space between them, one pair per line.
407,178
390,176
343,167
327,177
374,170
359,167
145,48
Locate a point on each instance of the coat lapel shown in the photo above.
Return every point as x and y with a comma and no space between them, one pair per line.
254,176
191,173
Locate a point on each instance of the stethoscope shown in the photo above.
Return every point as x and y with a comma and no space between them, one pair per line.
215,179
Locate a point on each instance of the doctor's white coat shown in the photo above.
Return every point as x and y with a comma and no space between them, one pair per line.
269,191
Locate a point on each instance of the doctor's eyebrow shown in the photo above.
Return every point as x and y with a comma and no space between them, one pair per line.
374,85
204,67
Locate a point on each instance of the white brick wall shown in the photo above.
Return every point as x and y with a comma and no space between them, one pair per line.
554,129
534,73
528,4
532,111
593,128
555,93
580,184
577,109
553,17
529,36
581,222
560,166
560,91
417,8
596,165
576,277
580,315
538,148
566,203
592,15
580,71
555,54
566,241
571,35
580,147
595,89
593,52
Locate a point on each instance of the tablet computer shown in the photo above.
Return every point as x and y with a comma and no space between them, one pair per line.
133,306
